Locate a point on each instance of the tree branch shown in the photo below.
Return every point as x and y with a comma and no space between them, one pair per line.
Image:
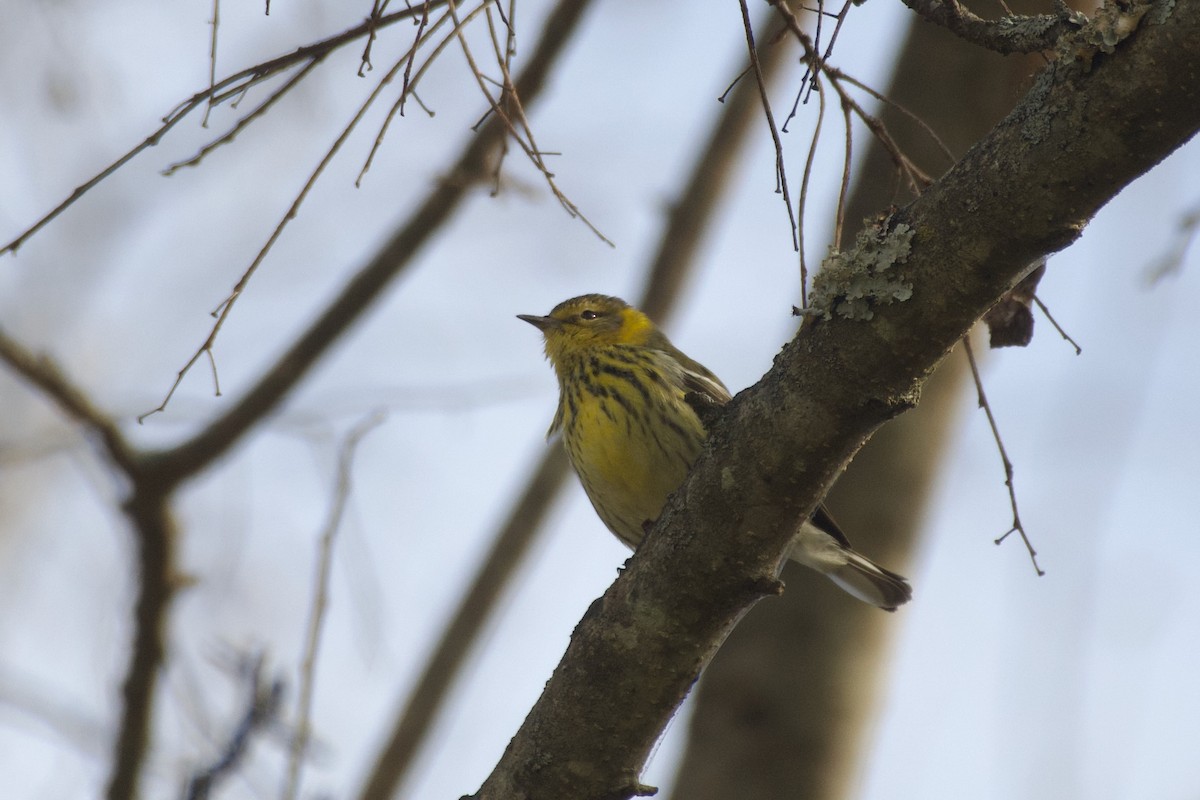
1007,35
688,219
46,376
149,516
1086,129
222,90
367,285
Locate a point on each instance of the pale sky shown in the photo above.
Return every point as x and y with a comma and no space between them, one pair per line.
1077,684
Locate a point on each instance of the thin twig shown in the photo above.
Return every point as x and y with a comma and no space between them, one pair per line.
245,121
406,87
528,144
223,310
1017,527
837,28
1057,327
881,97
410,82
780,170
365,65
816,64
804,184
212,61
839,217
239,81
320,601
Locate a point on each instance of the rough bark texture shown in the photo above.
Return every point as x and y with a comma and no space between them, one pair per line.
1090,125
781,710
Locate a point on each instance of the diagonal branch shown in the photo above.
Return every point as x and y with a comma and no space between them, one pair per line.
681,238
149,516
1083,132
46,376
1007,35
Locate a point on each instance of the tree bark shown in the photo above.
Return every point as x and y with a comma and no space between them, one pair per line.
755,732
1093,121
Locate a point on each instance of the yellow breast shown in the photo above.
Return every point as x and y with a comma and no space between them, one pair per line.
632,440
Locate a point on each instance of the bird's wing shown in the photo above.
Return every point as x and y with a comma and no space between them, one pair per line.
822,519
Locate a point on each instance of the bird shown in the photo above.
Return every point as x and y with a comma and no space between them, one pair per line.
632,435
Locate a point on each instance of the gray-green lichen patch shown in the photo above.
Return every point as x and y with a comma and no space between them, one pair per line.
852,283
1110,25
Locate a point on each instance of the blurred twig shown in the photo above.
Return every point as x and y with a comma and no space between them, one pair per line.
147,510
1171,261
320,599
262,706
212,60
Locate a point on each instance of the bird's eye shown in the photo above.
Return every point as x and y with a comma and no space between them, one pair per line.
588,314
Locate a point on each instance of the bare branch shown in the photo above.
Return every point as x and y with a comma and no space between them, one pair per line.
681,238
511,98
804,184
377,7
226,306
222,90
1057,327
154,531
783,441
153,528
780,170
362,289
1007,35
245,121
930,132
320,600
46,376
212,60
1017,527
408,87
839,217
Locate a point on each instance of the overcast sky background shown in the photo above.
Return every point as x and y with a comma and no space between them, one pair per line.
1077,684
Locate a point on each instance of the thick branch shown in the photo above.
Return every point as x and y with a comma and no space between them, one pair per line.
46,376
1007,35
1081,134
688,220
150,517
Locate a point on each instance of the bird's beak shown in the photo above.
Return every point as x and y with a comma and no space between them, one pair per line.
543,324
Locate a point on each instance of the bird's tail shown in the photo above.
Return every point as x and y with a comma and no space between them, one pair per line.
830,554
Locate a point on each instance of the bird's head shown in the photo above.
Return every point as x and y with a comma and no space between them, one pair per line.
590,321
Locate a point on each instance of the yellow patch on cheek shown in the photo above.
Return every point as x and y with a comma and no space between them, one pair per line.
635,326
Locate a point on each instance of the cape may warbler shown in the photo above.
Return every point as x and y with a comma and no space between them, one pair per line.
632,436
